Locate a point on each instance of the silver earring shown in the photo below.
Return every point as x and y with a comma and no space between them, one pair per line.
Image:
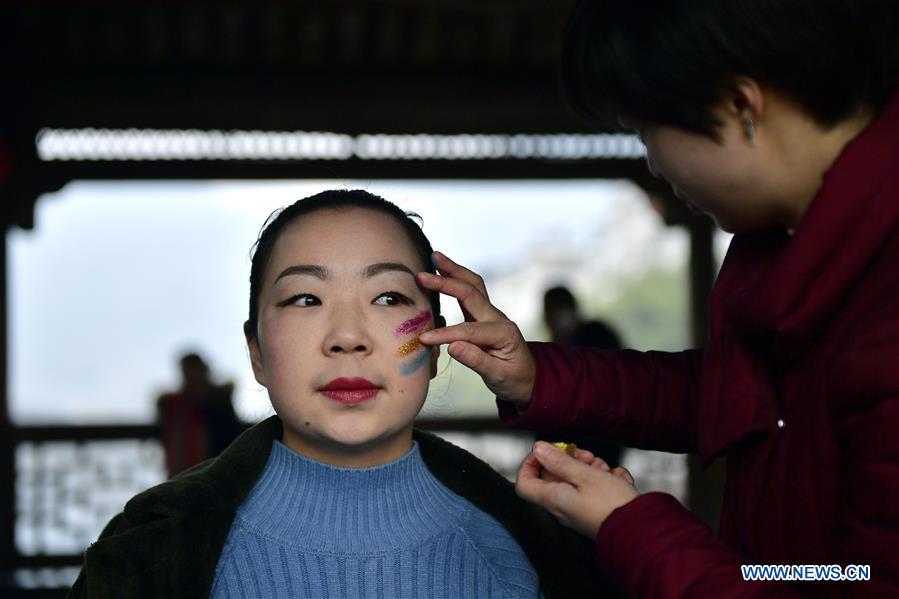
750,130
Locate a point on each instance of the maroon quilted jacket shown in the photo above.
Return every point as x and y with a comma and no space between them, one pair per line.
798,387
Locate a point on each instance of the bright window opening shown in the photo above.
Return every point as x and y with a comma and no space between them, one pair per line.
117,279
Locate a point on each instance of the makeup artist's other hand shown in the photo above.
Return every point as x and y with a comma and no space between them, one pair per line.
580,494
586,456
487,342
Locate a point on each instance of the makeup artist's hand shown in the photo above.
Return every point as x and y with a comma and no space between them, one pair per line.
586,457
580,492
487,342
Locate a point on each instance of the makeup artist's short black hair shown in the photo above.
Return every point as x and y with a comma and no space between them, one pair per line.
333,200
670,61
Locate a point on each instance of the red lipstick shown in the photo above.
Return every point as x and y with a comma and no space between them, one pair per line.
350,391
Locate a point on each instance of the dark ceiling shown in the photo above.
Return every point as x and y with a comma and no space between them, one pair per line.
345,66
352,66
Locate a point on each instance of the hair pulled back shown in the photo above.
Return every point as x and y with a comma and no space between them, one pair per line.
333,200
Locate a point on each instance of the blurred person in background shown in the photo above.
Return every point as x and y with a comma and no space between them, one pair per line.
779,119
197,420
567,326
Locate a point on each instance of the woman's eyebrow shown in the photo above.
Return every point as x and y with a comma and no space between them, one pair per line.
380,267
319,272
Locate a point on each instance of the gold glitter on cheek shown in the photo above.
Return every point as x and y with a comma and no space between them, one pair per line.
410,346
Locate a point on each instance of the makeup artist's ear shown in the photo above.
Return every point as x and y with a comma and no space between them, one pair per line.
745,103
255,354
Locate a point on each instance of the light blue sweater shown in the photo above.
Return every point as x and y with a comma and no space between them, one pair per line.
308,529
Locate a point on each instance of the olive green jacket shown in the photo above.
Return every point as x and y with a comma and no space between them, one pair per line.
167,541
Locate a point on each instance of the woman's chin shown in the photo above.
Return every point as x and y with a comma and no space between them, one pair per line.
366,445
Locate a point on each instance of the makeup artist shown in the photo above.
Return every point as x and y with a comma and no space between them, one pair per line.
780,119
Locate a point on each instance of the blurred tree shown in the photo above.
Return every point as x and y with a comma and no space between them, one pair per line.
649,312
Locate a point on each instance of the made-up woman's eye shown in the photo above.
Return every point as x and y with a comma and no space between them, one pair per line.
392,298
303,300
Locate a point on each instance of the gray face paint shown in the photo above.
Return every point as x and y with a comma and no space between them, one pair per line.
415,364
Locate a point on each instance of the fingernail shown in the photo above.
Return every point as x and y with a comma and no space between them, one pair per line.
542,449
434,257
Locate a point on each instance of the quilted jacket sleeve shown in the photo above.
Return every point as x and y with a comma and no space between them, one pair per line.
639,399
869,526
654,548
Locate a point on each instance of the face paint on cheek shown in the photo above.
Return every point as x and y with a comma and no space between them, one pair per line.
418,361
411,346
414,325
415,364
417,325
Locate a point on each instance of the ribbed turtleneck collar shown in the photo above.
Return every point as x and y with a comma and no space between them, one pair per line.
312,505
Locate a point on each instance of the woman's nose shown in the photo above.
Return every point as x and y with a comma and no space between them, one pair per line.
348,348
348,334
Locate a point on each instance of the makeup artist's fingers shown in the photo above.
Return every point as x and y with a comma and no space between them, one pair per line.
488,342
588,459
530,468
451,269
510,376
580,496
549,477
472,300
474,357
494,350
461,283
494,337
585,455
622,473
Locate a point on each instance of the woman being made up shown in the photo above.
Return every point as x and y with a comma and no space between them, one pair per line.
337,496
779,119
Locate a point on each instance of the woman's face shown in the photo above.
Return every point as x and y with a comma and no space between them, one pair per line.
723,178
339,317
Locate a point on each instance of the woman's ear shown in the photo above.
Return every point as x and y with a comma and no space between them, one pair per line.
746,101
435,354
255,353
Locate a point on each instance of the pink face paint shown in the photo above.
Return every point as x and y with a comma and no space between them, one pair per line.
413,325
